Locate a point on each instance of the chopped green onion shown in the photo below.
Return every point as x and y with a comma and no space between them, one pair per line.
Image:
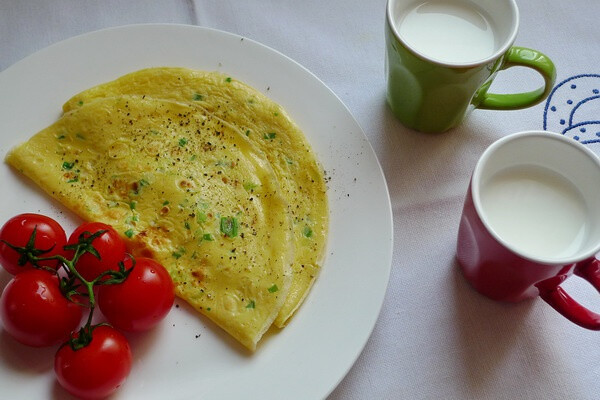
178,253
249,186
307,232
201,217
229,226
132,218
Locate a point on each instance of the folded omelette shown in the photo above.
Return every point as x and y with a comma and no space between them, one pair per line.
268,126
204,174
184,188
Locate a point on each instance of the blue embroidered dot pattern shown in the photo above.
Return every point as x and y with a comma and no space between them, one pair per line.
573,108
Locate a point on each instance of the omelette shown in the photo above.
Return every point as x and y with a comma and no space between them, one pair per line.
184,187
266,125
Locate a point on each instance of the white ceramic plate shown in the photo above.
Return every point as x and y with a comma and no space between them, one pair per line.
187,357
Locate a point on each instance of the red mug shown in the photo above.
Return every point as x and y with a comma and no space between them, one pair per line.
531,219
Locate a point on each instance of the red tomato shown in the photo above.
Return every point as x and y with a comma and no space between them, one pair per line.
35,312
17,231
109,246
98,369
142,300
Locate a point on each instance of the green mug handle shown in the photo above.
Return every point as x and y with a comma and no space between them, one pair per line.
522,57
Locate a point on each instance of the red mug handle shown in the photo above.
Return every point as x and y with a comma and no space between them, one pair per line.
567,306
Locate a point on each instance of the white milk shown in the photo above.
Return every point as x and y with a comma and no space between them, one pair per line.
536,210
448,31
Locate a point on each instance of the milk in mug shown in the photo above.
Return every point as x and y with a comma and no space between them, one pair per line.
455,31
536,210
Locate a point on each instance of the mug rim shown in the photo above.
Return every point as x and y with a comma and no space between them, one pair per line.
476,186
493,57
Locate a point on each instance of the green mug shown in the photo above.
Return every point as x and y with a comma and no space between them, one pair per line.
442,56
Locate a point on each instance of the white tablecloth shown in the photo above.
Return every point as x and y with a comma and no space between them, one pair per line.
435,337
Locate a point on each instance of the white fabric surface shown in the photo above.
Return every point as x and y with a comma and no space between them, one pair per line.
435,337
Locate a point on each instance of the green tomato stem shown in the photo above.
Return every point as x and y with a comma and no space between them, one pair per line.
69,265
31,254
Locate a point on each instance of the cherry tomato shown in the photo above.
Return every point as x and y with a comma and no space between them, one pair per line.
142,300
109,246
17,231
98,369
35,312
